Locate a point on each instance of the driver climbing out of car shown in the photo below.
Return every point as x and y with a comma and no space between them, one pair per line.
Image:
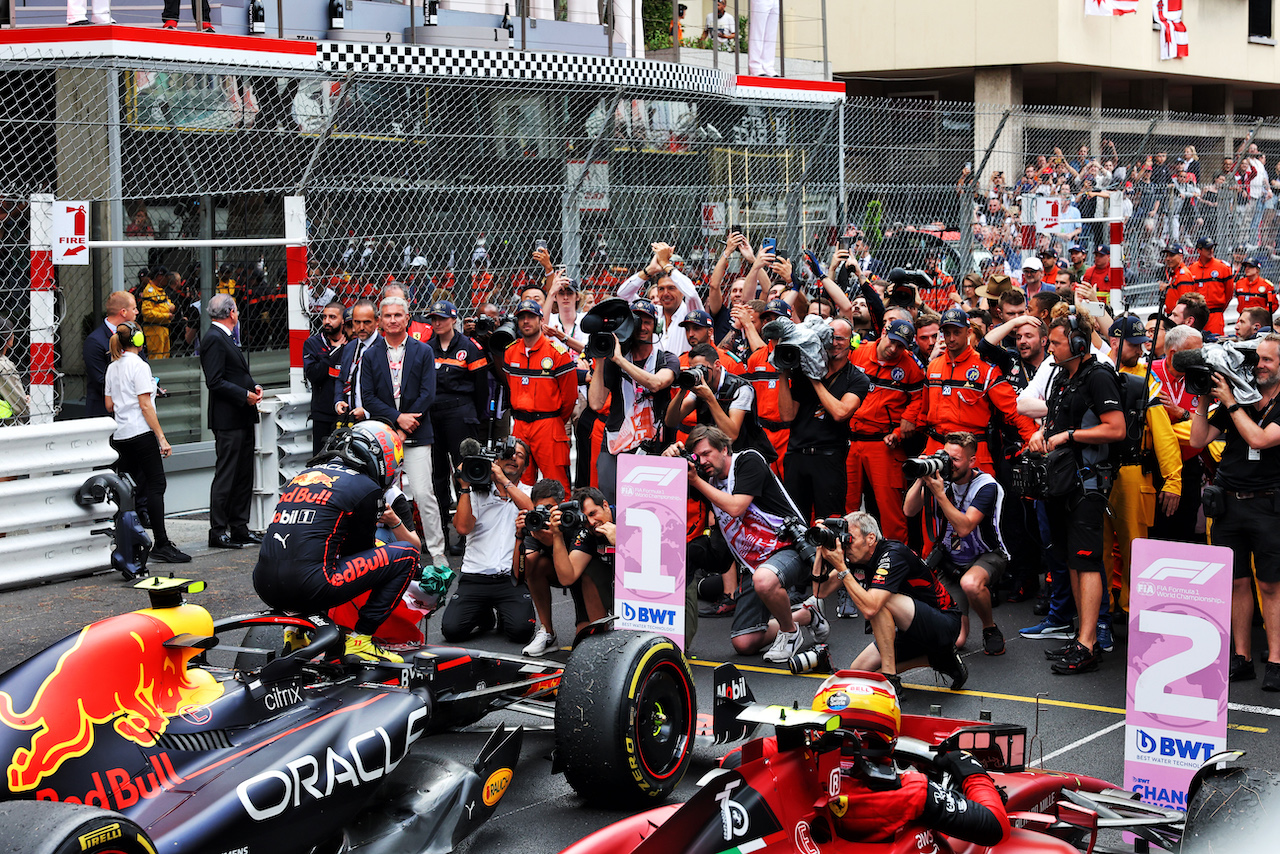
320,551
875,801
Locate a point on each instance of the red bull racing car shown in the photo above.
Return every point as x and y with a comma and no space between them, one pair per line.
163,730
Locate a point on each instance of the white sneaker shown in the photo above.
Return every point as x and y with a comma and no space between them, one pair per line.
789,644
542,643
820,627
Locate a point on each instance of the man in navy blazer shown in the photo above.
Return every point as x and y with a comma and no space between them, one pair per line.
321,365
120,306
398,385
233,412
347,397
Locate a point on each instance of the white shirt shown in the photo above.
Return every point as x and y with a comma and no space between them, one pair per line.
724,27
575,329
668,336
128,377
1038,388
490,543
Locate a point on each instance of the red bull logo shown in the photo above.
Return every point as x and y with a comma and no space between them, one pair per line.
115,789
312,478
118,671
302,495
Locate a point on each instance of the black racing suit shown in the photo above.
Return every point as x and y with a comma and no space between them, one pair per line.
319,550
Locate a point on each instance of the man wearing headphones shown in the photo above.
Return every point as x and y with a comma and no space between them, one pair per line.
1084,416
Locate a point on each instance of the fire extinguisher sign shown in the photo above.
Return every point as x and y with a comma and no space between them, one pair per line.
71,234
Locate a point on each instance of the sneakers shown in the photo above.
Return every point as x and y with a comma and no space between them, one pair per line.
295,638
845,609
208,27
1078,659
1104,637
362,648
820,627
788,644
542,643
1271,679
170,25
724,608
168,553
1048,629
992,641
1241,669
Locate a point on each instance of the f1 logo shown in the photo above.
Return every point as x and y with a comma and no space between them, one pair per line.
652,474
1196,571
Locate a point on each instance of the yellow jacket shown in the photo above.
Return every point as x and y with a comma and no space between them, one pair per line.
155,306
1159,436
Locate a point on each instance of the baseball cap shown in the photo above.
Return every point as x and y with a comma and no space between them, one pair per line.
1206,242
697,318
644,306
1171,249
1048,252
779,307
1075,247
1102,249
570,285
902,332
446,309
1130,328
528,306
1251,261
955,317
1033,263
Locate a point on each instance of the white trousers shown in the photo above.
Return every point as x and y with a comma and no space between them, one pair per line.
762,37
101,11
417,468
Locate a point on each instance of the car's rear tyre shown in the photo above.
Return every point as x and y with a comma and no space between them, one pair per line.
48,827
625,717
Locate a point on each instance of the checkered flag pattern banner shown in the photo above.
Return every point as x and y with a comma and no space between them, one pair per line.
441,168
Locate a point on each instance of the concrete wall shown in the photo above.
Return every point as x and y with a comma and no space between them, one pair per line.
941,34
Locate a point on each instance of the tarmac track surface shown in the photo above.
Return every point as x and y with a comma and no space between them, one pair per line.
1076,722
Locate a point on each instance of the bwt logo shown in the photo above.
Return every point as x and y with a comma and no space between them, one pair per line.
650,615
1196,571
652,474
1187,748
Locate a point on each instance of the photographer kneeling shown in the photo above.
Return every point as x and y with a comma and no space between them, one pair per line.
969,547
486,514
913,618
1247,490
583,544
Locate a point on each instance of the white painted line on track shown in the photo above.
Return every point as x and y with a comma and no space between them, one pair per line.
1082,741
1254,710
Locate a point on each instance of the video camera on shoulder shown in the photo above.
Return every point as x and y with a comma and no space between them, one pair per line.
832,533
1203,363
572,519
477,466
939,463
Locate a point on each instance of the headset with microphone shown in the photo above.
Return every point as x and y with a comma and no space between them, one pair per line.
1078,341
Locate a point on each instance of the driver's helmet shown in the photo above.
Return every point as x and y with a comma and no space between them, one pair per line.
865,702
371,447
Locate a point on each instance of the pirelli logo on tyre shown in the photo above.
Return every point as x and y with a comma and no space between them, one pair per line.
100,836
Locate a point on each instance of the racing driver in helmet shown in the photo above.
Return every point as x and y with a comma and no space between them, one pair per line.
875,800
319,550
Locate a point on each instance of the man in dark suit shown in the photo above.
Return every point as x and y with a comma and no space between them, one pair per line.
120,306
233,410
398,386
321,365
347,398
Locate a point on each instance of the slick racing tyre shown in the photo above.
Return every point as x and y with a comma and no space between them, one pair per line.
625,718
48,827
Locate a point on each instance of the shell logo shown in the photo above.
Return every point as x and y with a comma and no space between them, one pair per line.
496,786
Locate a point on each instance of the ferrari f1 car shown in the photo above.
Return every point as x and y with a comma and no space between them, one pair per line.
788,793
161,730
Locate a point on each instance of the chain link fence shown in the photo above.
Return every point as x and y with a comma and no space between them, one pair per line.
444,182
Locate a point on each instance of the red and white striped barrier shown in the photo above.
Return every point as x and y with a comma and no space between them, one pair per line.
42,320
1117,256
295,231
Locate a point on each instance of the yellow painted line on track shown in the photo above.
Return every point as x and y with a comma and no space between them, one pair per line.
1013,698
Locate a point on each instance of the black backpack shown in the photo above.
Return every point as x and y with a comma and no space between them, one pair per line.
1135,400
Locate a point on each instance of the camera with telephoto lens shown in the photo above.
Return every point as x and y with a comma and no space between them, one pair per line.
794,529
939,463
495,334
833,532
816,659
477,466
692,376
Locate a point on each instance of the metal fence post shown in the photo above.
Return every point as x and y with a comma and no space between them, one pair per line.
966,195
737,39
117,180
279,19
842,201
782,41
675,27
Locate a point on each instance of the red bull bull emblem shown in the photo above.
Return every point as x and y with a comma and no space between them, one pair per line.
311,477
118,671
